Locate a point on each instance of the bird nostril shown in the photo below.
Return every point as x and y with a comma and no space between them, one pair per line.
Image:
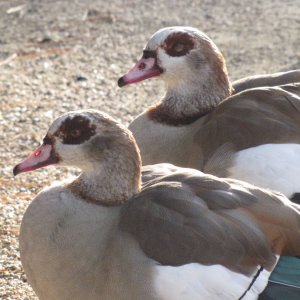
142,66
37,153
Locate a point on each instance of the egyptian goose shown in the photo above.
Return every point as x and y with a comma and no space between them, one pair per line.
253,135
186,235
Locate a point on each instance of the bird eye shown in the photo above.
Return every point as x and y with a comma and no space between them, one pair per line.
75,133
178,44
76,130
178,47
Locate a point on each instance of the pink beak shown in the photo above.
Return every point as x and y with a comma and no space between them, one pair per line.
41,157
145,68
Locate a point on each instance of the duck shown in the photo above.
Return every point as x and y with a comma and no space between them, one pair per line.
244,130
122,231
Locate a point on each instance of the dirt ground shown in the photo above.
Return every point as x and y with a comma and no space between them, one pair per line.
57,56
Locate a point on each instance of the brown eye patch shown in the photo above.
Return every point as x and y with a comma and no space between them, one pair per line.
178,44
76,130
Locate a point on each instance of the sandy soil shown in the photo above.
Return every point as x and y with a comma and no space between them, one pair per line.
57,56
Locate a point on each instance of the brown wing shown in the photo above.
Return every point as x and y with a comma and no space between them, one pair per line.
153,173
266,80
248,119
191,217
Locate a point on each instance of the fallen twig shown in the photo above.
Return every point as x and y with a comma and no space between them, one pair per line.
8,60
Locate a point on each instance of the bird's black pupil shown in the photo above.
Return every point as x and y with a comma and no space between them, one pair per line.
75,132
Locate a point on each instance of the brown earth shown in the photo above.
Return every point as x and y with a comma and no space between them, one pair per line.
57,56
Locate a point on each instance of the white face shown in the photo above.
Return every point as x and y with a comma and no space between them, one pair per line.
183,57
69,134
64,144
175,68
70,155
178,53
80,139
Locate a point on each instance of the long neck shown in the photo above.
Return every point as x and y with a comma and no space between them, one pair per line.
113,182
190,100
194,93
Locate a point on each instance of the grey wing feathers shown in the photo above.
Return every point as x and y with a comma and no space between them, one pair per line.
248,119
275,79
181,219
152,172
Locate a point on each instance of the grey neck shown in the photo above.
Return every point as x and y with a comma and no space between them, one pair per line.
196,98
109,185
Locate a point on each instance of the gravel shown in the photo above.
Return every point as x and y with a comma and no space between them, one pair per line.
57,56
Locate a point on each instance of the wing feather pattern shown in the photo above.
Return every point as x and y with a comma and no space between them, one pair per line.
186,216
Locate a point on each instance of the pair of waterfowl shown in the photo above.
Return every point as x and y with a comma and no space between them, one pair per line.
122,231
